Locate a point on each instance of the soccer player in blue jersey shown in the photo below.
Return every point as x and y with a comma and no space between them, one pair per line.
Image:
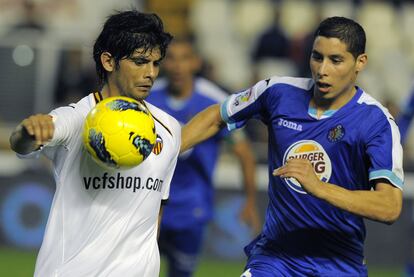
190,205
334,158
404,119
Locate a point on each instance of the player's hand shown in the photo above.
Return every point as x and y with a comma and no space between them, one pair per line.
250,216
40,127
302,170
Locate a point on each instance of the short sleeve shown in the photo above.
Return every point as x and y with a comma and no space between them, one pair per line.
67,122
240,107
384,150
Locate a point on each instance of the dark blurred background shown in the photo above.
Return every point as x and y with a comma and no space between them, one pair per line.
46,61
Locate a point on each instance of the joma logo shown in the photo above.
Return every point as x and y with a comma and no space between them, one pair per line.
289,124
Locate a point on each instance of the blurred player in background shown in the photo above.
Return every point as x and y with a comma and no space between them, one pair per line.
404,119
334,158
190,206
99,223
405,116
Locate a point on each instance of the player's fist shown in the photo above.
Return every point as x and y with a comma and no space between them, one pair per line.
40,127
303,171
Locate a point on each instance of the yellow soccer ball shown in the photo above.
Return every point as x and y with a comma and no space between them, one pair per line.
119,132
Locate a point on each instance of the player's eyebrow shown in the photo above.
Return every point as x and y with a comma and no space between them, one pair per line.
314,52
336,56
140,58
143,59
333,56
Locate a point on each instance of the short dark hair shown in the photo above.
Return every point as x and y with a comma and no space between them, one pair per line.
126,31
346,30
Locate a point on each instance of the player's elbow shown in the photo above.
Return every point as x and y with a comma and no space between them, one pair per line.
392,215
214,112
16,145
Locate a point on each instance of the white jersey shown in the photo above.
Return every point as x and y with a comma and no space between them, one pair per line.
103,222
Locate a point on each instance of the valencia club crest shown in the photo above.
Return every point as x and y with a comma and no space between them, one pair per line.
157,146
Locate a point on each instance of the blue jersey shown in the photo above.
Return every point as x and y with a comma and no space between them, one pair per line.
349,147
191,192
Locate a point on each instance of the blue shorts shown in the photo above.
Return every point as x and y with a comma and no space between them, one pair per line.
268,266
181,248
265,260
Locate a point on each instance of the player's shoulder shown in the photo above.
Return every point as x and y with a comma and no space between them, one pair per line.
208,89
372,107
166,120
294,82
281,87
74,111
85,104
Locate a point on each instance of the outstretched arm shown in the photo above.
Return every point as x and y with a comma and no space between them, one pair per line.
383,204
31,133
201,127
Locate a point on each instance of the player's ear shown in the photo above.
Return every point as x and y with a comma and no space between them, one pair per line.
361,62
107,61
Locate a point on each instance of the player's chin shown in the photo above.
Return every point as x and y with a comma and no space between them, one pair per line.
327,93
141,94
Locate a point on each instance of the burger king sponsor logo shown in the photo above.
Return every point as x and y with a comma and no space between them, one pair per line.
314,152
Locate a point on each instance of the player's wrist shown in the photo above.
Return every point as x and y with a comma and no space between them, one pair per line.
319,190
251,198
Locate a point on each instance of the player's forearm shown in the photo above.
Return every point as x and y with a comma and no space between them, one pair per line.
383,206
21,142
203,126
247,160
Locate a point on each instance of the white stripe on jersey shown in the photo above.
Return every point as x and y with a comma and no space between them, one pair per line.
397,152
210,90
250,95
302,83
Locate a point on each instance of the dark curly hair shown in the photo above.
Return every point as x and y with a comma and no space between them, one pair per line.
126,31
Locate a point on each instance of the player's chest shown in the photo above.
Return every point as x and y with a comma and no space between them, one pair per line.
331,134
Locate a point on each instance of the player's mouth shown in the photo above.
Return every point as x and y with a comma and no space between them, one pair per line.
145,88
323,87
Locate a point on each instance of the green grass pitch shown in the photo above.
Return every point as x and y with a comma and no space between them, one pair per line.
19,263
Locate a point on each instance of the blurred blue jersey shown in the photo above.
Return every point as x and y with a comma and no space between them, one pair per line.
191,192
406,116
348,147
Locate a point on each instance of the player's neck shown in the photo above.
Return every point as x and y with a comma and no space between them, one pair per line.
107,91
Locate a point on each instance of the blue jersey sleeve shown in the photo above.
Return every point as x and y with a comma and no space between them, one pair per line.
384,150
240,107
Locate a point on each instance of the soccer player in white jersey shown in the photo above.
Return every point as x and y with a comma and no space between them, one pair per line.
334,158
104,222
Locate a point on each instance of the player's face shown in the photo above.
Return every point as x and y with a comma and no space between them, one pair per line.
334,70
135,76
181,63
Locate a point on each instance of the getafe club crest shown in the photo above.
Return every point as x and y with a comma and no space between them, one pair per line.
158,145
314,152
336,134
